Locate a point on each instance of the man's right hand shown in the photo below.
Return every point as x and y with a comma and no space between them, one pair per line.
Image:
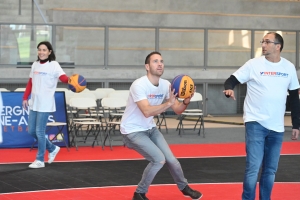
229,93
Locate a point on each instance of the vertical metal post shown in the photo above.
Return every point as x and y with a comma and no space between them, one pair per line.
105,84
205,61
205,48
106,33
156,39
205,99
20,7
32,20
53,37
252,43
297,49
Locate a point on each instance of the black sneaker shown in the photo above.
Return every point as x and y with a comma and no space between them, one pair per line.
189,192
139,196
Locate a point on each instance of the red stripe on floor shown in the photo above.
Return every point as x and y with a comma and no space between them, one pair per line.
230,191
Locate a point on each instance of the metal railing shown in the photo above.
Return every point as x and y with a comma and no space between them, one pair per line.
32,11
103,43
205,52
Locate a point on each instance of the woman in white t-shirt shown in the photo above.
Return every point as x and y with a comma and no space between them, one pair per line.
42,83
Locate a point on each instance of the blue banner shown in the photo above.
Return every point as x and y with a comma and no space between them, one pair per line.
14,121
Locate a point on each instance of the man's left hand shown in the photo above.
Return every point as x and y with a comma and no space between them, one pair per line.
188,99
295,134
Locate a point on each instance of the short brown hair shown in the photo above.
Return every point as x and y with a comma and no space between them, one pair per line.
147,60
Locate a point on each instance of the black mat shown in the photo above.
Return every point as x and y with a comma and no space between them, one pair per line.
212,136
18,177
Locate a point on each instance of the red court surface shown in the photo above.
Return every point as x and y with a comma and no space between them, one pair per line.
229,191
216,191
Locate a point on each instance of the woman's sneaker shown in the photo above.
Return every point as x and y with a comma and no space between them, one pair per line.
189,192
53,154
37,164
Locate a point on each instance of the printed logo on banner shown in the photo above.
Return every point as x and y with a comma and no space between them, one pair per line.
14,120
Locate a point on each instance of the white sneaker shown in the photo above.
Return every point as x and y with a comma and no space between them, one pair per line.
52,155
37,164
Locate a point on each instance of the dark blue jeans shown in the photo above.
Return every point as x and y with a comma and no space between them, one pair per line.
263,148
152,145
37,123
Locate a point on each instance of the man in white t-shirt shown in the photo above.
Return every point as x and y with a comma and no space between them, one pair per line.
268,79
146,100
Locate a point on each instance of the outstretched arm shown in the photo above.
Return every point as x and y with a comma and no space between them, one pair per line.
64,78
295,112
229,85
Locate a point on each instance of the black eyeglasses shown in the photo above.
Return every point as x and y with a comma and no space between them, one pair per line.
267,42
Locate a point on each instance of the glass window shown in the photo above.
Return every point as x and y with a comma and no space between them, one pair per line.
130,46
182,47
228,47
80,45
18,42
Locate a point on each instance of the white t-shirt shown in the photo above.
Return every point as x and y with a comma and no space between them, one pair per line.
44,82
133,119
267,85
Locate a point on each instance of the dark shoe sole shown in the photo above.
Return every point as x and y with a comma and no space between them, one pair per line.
194,199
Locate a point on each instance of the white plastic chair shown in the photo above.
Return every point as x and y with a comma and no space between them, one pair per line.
106,90
122,94
99,94
86,94
114,117
4,90
196,113
20,89
119,94
85,90
92,123
62,89
197,98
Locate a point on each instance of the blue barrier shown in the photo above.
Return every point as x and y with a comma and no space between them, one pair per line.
14,121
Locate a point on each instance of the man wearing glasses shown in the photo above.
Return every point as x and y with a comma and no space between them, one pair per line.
268,79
